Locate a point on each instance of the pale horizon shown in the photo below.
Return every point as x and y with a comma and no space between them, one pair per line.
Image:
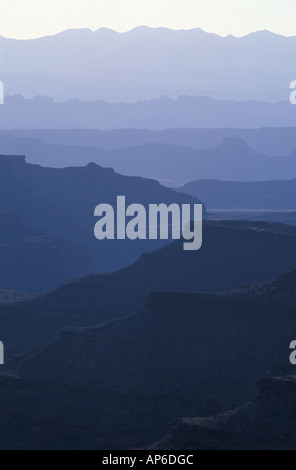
34,19
148,27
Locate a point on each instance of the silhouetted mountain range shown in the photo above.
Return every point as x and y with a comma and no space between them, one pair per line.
269,195
145,63
121,384
172,165
42,112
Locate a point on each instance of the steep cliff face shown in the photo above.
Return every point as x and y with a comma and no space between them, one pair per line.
267,422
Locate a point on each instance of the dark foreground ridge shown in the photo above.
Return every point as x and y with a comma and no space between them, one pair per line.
120,385
267,422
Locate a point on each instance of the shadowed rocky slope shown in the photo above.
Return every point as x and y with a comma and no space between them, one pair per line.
268,422
121,384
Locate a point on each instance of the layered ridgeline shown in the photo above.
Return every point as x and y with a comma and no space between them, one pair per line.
146,63
121,384
172,165
42,112
61,203
233,254
268,141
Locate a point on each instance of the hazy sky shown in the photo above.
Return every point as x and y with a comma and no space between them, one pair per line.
33,18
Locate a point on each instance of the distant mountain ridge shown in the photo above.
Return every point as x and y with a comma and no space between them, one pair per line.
42,112
146,63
